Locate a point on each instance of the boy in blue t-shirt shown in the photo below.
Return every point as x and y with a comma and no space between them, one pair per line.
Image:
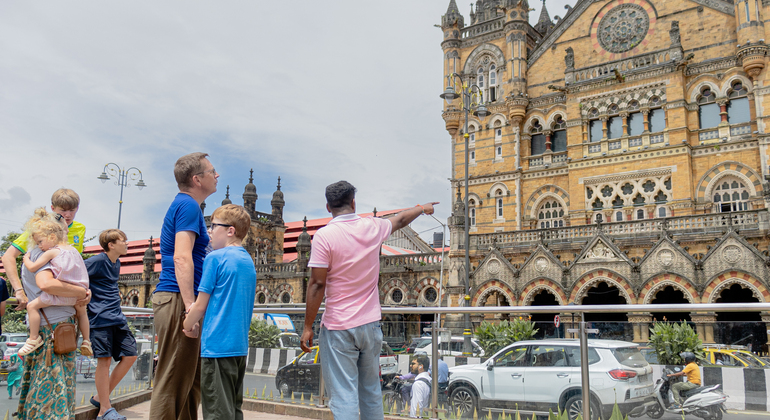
110,336
226,296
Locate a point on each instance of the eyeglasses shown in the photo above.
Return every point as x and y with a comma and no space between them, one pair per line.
58,217
219,224
212,170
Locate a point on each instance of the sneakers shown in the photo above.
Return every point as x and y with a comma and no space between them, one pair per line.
31,345
85,348
111,414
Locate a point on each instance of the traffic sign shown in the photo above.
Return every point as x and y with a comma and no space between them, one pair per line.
556,321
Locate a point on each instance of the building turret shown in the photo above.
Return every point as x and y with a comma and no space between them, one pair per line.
752,49
303,247
277,202
544,23
203,207
516,24
148,272
250,195
227,201
452,16
451,24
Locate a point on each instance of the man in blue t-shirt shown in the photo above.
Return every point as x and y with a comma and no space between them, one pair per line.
183,242
110,336
226,297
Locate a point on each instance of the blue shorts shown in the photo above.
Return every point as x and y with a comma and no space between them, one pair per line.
115,341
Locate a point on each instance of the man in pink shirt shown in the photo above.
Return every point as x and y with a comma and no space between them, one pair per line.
345,267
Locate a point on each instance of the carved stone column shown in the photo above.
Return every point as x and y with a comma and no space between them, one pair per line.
722,111
624,115
548,134
704,325
604,127
646,115
641,323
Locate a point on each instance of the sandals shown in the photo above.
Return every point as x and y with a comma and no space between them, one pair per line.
85,348
31,345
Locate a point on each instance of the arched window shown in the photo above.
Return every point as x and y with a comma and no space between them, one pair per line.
731,194
662,211
472,212
471,134
639,214
635,119
708,109
550,214
538,138
559,136
499,152
492,83
595,130
738,107
618,216
471,156
498,132
499,194
480,79
614,123
657,117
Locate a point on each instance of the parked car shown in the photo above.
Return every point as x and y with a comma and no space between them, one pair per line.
727,357
388,363
415,343
451,348
15,340
288,340
535,376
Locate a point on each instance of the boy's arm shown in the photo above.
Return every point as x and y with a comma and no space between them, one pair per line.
44,259
9,262
195,313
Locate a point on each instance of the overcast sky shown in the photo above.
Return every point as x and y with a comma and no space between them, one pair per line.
311,91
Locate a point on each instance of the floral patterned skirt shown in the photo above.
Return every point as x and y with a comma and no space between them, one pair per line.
47,389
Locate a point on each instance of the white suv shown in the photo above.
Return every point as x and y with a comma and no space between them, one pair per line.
452,348
535,376
388,363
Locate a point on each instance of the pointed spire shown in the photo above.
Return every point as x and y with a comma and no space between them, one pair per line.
374,212
250,194
544,23
452,16
279,183
251,171
303,242
452,7
277,202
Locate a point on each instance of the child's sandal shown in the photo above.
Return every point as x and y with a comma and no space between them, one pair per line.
85,348
31,345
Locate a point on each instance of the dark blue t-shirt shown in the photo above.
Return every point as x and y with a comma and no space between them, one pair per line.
184,215
104,308
3,296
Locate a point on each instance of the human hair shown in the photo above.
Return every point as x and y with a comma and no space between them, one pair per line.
422,359
48,224
340,194
65,199
109,236
186,167
235,215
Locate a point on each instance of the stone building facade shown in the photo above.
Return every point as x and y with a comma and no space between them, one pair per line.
624,160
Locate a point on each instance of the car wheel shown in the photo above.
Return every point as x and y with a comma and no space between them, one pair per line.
655,412
574,407
284,389
463,401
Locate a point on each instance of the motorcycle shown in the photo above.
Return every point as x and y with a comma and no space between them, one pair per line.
706,402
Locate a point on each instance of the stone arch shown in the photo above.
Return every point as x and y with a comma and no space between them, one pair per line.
659,282
496,186
421,286
536,286
622,101
280,290
546,191
474,126
261,289
535,115
474,196
595,277
728,84
727,279
696,89
552,117
389,286
498,117
645,99
483,291
492,51
708,181
129,296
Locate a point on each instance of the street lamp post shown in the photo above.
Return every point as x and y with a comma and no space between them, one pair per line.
121,176
472,98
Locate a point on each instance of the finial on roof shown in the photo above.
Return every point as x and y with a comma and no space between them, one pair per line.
304,224
279,183
374,213
227,200
251,171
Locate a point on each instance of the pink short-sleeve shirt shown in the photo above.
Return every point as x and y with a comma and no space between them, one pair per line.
349,247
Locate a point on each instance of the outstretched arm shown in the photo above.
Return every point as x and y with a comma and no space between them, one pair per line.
316,288
407,216
42,260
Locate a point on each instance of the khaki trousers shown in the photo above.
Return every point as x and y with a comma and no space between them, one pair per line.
177,387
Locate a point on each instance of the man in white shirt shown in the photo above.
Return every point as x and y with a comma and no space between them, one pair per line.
421,388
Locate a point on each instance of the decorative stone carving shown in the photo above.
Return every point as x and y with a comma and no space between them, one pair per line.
493,267
731,254
666,257
599,251
623,28
569,59
676,40
541,264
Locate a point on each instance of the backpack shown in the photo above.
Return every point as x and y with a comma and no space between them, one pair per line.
427,382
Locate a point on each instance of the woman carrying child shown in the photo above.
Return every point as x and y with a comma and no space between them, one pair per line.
67,265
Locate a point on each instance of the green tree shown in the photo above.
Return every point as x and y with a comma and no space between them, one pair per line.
492,337
263,334
669,339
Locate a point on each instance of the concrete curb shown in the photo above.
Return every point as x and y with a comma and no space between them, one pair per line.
90,412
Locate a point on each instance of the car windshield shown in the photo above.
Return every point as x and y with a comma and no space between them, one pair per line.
629,356
751,357
308,358
386,350
18,338
748,360
290,340
423,343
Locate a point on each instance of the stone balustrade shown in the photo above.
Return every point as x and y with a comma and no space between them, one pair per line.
277,268
429,261
606,70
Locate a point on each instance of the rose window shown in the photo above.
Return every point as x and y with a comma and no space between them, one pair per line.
623,28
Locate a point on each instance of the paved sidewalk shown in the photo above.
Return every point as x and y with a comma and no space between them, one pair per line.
142,412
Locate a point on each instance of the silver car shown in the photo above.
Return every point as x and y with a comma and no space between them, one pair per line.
535,376
12,340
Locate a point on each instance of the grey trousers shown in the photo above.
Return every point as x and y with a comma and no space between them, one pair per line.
222,387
